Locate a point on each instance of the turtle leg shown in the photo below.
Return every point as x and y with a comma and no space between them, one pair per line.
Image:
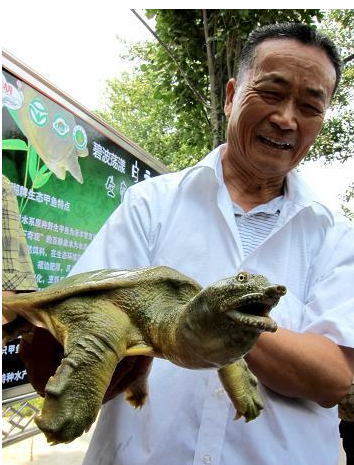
92,349
241,386
138,389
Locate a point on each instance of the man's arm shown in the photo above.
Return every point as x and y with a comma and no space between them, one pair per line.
304,365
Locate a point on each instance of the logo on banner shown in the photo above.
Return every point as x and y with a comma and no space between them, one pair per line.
80,137
60,126
38,112
11,97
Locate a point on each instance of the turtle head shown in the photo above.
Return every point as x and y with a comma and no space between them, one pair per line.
247,299
224,320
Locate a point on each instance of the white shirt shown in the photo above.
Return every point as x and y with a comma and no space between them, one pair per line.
185,220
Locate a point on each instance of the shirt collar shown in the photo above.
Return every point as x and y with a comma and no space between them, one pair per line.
271,208
212,162
297,190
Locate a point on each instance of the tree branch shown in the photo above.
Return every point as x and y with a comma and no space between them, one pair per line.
185,77
215,127
347,59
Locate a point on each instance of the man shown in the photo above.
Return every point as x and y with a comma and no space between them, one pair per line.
244,208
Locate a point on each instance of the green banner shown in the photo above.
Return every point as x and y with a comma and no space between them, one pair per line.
68,177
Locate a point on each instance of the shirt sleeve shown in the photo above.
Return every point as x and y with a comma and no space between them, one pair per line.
17,268
329,309
123,241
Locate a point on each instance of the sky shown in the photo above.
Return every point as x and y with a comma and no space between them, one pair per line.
74,45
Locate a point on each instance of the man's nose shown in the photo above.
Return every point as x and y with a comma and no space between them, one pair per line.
284,116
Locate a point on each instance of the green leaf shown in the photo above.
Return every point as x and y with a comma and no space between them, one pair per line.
44,169
14,116
14,144
32,163
41,180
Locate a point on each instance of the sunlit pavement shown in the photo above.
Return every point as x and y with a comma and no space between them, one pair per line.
37,451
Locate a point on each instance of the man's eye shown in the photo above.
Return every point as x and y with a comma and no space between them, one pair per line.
311,109
270,95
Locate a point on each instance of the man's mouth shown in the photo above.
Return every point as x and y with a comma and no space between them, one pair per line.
280,145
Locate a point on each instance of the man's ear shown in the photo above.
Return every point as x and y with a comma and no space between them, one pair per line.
230,92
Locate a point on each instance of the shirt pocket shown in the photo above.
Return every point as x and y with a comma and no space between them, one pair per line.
289,313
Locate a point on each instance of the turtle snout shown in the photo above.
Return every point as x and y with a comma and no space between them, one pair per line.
275,292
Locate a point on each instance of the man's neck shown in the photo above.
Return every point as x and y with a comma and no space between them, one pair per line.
246,189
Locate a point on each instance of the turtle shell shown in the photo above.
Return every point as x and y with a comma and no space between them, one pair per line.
98,280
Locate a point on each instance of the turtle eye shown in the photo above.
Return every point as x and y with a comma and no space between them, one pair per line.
241,277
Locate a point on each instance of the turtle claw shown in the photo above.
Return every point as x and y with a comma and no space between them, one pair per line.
253,407
137,398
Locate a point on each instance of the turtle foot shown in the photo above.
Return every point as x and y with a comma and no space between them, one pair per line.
57,434
62,422
241,386
71,403
136,398
249,407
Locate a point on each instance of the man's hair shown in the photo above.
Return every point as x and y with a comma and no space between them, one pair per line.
296,31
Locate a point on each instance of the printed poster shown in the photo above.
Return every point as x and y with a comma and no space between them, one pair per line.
68,178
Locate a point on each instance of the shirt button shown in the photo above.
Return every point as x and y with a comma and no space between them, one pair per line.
219,393
207,458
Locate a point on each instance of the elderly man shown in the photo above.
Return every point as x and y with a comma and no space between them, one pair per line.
244,207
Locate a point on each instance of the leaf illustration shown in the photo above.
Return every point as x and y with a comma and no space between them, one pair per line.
14,144
43,169
41,179
32,163
14,116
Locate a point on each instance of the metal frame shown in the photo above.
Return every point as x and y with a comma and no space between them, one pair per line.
17,426
16,392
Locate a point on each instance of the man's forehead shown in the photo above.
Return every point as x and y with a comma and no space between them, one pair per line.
278,59
289,50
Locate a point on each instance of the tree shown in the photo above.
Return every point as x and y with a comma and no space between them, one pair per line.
206,45
173,106
147,115
336,141
348,199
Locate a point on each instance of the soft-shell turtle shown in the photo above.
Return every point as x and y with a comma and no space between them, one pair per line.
104,316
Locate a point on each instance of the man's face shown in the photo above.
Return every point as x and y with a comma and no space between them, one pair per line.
277,109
